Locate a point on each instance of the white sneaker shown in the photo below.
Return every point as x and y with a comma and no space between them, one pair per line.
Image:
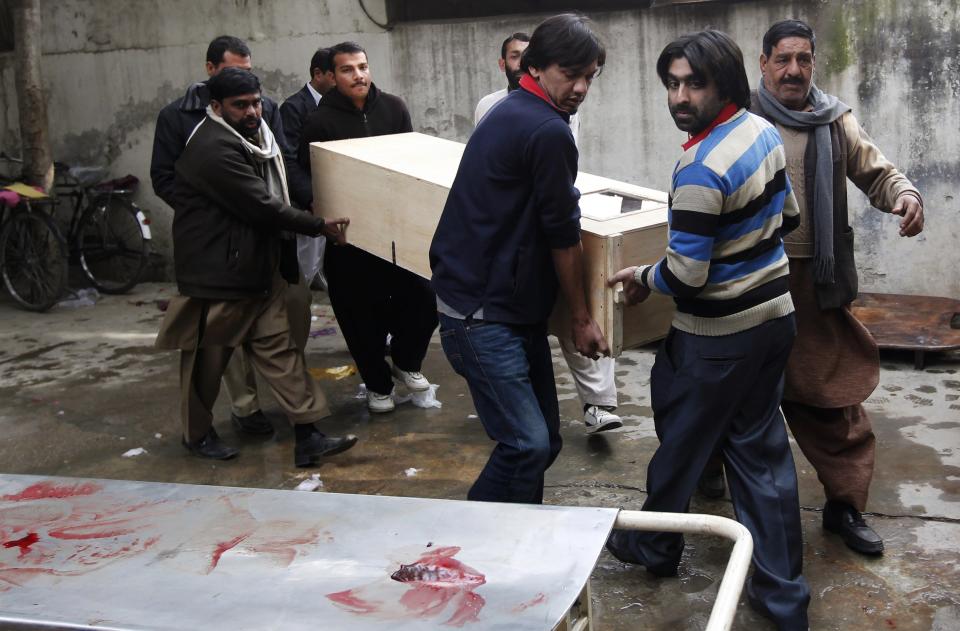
413,380
379,403
600,419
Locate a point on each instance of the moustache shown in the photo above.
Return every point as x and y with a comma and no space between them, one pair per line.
359,83
791,81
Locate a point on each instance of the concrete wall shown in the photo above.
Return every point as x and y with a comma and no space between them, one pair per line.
111,64
897,64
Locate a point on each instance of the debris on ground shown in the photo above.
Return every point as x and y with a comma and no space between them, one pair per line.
86,297
337,373
130,453
310,484
411,472
330,330
160,303
424,399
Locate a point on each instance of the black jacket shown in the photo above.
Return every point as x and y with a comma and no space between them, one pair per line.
226,224
512,203
174,124
294,112
336,118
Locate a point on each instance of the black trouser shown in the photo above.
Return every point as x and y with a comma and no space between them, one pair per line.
371,298
723,393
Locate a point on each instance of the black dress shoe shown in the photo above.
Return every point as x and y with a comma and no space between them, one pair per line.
847,522
256,423
712,484
310,450
210,446
617,547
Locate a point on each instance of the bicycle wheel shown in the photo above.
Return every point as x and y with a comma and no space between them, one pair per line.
112,246
33,258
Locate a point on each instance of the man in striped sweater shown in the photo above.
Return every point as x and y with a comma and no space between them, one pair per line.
718,378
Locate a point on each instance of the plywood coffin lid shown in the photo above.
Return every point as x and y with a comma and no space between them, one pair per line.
417,155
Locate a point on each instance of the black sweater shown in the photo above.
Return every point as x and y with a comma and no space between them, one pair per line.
337,118
513,202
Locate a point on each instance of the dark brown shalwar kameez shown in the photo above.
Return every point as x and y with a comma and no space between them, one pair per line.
835,364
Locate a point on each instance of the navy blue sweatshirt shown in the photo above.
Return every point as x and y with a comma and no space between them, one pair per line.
512,202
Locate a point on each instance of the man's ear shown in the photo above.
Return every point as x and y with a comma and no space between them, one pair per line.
534,72
217,107
211,69
502,63
763,62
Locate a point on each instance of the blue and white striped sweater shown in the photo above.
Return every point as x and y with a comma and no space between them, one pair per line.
730,203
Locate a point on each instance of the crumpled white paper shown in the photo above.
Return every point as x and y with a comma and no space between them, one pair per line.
424,399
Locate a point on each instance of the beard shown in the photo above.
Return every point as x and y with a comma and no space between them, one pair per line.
690,120
246,127
513,79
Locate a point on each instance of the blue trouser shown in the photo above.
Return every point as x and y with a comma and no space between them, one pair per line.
724,393
509,370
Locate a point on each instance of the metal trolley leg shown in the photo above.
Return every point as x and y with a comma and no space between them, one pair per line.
721,617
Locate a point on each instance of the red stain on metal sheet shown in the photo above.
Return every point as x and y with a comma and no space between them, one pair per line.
353,602
438,568
222,547
48,490
23,543
539,599
68,530
60,529
436,582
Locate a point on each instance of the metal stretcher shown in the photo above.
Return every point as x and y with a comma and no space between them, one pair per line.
118,555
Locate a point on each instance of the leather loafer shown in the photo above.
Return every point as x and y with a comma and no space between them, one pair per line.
310,450
847,522
210,446
256,424
617,547
712,484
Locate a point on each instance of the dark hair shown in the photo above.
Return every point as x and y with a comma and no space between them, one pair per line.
232,82
224,44
519,36
713,56
565,40
788,28
321,59
346,48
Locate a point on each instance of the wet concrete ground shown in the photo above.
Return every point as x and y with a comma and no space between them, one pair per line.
79,387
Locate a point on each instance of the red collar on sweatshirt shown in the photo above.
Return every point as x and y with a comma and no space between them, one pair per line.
530,84
725,114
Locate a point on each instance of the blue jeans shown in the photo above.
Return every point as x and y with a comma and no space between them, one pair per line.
509,371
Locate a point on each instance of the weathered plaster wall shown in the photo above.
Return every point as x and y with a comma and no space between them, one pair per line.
110,65
896,63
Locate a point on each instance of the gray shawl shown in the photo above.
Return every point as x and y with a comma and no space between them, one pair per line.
826,108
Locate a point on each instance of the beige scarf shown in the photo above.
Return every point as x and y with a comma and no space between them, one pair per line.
266,151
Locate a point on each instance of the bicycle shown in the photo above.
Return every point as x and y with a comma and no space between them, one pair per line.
33,252
108,233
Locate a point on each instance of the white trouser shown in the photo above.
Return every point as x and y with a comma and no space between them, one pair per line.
594,379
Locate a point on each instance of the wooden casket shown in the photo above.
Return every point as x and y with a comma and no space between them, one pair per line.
393,189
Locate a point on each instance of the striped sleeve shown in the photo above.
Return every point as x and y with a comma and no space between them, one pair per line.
697,202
